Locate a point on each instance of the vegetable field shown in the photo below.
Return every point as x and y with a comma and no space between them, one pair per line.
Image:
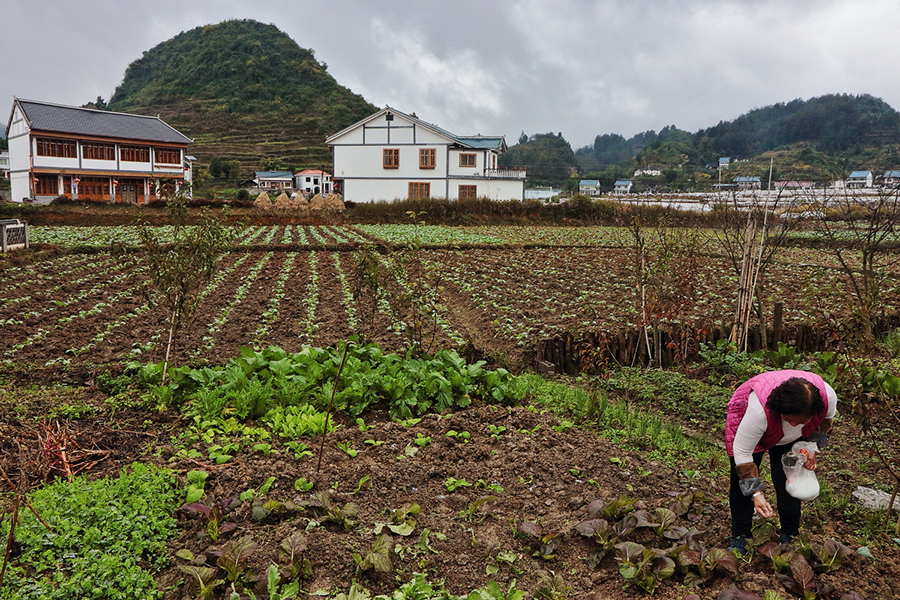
279,461
498,297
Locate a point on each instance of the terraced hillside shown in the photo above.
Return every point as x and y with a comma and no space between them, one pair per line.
243,91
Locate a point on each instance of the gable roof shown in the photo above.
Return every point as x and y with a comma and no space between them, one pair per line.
475,142
585,182
73,120
623,182
859,174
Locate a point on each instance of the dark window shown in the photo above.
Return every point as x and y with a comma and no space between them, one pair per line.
427,158
468,191
54,147
391,158
98,151
135,153
467,160
419,189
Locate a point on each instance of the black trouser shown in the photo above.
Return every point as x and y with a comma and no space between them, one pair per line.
742,506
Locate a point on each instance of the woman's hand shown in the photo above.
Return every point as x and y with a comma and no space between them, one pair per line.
762,506
810,462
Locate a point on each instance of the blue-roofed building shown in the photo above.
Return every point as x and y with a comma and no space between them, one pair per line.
747,182
861,179
891,179
274,180
589,187
87,154
622,186
392,155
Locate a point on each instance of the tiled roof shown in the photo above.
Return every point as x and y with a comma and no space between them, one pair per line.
274,174
589,182
480,141
623,182
57,118
859,174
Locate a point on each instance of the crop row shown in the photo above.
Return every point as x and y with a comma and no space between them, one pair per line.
506,297
104,236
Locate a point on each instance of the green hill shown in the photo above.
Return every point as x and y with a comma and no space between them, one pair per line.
243,91
816,139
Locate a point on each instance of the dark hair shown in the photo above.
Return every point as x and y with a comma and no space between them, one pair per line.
796,397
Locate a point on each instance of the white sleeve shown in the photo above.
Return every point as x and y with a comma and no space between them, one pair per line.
750,430
832,402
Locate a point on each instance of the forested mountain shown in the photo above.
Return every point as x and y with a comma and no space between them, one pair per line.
548,156
817,138
243,90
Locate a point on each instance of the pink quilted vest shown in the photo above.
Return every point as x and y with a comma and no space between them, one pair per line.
763,384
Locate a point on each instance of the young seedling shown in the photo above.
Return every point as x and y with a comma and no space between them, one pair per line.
347,449
452,484
362,425
202,580
497,431
195,487
471,513
460,436
402,520
325,508
214,515
234,557
421,441
378,558
544,543
289,556
303,484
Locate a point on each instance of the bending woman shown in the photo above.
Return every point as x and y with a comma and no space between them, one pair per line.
768,413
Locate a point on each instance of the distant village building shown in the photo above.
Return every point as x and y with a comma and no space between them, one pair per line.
861,179
312,181
4,164
724,161
622,186
273,180
747,182
891,179
589,187
542,193
647,172
391,155
87,154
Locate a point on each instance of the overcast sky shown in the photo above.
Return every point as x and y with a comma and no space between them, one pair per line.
580,67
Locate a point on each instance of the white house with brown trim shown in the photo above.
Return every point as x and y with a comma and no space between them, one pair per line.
88,154
392,155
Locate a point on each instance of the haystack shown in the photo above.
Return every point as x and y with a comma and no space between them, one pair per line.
300,203
283,201
317,202
263,202
334,202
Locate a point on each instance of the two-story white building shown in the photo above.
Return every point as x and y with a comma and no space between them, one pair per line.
313,181
87,154
391,155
